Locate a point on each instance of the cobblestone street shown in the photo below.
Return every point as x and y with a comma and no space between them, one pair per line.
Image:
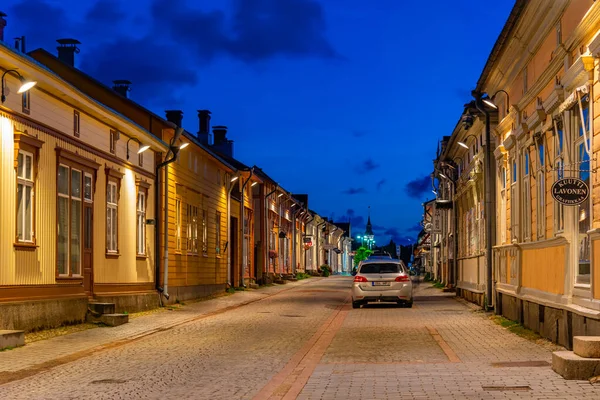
305,342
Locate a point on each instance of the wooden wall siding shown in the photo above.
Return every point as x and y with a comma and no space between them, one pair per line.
204,190
544,269
38,266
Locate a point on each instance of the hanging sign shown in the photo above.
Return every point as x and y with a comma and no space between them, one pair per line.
570,191
436,220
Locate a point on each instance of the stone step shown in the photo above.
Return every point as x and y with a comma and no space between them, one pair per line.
10,339
102,308
114,319
571,366
587,346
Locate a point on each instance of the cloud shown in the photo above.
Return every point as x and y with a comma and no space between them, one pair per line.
415,228
380,184
418,187
359,133
353,191
366,166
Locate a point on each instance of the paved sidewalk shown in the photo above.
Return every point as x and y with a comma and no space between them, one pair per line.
47,353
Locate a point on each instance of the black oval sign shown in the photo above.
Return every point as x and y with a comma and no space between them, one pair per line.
570,191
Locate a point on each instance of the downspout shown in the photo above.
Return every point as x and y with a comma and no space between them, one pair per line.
267,259
243,238
173,151
231,186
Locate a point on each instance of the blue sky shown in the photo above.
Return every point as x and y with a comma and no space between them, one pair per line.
345,100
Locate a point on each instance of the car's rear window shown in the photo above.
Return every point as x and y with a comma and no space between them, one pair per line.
381,268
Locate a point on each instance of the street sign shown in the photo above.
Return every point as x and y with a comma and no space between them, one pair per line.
570,191
436,220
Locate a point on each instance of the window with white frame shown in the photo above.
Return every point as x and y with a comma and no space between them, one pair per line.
502,211
582,166
25,200
141,222
514,215
69,223
192,234
526,195
112,209
559,173
541,188
178,224
204,232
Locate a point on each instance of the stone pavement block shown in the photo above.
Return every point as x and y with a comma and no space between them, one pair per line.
9,339
587,346
571,366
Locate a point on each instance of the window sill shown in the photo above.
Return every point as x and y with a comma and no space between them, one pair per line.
25,246
65,278
205,255
141,257
193,254
112,255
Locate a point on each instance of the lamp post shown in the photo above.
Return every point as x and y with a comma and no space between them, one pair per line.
464,143
480,104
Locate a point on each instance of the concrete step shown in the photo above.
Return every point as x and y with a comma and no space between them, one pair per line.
571,366
114,319
587,346
11,339
102,308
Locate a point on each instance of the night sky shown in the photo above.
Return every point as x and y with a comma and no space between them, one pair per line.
345,100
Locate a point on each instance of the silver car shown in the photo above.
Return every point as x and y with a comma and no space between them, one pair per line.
379,280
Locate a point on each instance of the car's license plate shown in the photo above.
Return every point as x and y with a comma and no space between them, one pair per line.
381,284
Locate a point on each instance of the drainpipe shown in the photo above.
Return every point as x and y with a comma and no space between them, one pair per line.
294,240
173,151
243,267
266,257
231,186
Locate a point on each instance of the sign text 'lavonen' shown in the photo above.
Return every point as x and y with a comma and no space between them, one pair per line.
570,191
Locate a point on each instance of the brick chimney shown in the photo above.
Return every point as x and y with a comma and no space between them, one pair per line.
221,143
2,25
175,116
67,50
122,86
204,127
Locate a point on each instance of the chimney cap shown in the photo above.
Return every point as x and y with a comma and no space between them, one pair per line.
219,128
122,82
3,14
68,41
204,112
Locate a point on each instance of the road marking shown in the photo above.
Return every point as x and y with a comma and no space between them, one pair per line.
452,357
290,381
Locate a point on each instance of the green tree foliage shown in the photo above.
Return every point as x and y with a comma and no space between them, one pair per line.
362,253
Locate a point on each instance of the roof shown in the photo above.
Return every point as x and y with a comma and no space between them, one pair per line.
188,135
36,64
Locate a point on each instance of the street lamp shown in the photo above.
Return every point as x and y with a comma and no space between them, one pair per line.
141,149
490,101
464,143
480,102
25,85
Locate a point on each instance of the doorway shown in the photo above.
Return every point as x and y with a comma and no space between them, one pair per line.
233,237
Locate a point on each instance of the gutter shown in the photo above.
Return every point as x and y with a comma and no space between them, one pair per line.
173,151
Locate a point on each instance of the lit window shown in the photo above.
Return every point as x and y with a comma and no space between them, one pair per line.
25,200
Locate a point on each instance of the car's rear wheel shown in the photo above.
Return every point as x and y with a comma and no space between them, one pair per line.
355,304
409,303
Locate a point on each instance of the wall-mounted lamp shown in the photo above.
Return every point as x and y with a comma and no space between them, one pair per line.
142,148
464,143
293,205
25,85
442,175
280,194
235,178
183,145
254,184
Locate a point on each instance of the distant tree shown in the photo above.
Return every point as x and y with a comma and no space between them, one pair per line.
362,253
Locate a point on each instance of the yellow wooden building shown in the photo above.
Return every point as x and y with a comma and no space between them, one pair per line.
76,197
542,76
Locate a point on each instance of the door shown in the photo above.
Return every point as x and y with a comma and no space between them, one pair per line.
233,249
88,235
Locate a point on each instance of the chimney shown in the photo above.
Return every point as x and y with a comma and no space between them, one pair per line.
175,116
2,25
122,86
220,140
204,126
67,50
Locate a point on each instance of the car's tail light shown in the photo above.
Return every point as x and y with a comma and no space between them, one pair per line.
359,278
402,278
